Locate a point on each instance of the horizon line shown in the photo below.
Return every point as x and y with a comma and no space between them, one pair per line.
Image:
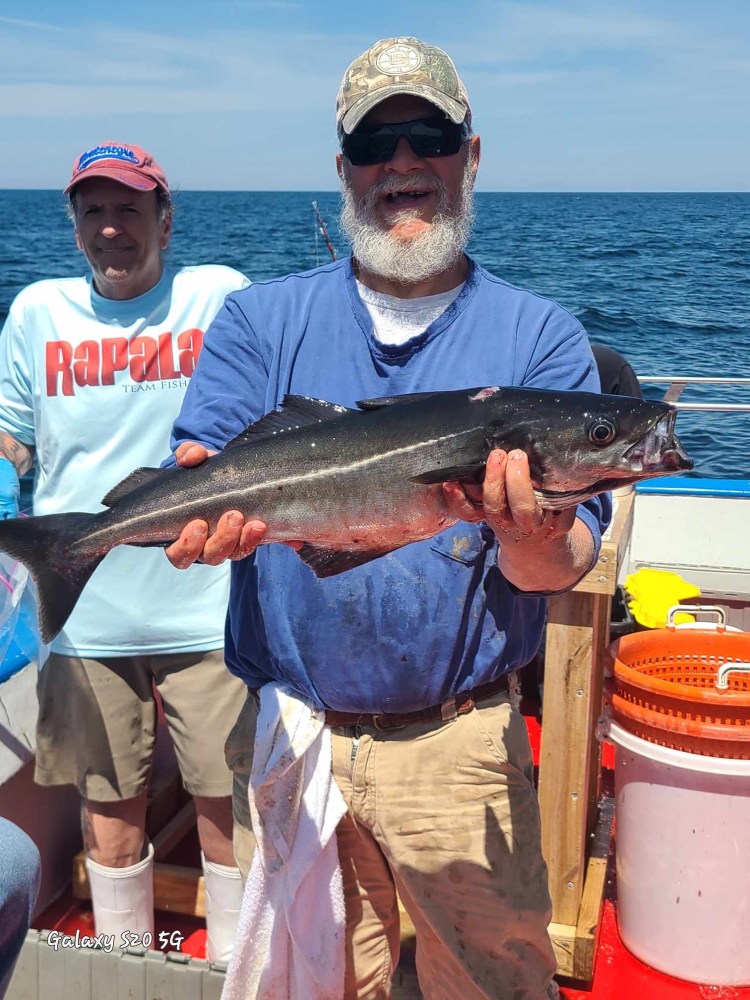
313,191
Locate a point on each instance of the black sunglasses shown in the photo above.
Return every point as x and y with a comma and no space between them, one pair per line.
427,137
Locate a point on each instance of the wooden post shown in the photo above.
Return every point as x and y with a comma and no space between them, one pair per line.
577,634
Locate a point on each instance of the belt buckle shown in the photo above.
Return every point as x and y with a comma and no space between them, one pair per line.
381,728
449,710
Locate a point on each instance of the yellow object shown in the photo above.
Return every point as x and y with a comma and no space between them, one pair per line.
652,592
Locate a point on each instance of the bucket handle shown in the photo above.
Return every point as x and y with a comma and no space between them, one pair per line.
722,674
708,609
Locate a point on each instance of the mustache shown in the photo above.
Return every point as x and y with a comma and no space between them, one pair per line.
419,180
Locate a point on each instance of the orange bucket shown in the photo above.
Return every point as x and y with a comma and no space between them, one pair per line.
684,688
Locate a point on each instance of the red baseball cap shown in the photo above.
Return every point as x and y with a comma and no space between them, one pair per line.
128,165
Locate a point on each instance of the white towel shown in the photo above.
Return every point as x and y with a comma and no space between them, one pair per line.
290,934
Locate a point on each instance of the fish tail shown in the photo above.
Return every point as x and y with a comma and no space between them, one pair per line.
43,545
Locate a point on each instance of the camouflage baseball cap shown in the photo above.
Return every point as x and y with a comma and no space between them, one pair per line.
400,66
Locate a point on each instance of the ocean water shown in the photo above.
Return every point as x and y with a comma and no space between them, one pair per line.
664,278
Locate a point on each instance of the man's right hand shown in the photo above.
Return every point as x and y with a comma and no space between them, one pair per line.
234,538
10,489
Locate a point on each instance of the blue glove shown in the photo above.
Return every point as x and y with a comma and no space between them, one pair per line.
10,489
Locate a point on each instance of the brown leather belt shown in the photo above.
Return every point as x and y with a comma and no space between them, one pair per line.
460,705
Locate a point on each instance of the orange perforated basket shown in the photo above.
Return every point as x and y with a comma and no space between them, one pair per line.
664,689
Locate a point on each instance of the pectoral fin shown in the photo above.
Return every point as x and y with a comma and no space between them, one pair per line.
450,473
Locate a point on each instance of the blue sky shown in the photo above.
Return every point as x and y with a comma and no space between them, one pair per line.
581,95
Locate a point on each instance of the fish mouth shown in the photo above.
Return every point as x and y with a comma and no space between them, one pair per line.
658,451
562,499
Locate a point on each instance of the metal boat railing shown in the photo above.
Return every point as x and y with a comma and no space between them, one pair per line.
678,383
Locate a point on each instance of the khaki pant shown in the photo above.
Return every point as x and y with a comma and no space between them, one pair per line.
98,717
446,815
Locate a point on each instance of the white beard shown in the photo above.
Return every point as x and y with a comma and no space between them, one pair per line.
409,261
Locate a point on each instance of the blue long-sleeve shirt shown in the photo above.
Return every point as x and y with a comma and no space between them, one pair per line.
436,617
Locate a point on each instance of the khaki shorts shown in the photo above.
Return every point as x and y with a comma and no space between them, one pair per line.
98,718
445,816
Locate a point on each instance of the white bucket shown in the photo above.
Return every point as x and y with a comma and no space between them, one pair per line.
683,860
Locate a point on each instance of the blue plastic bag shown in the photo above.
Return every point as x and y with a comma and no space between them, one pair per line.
19,633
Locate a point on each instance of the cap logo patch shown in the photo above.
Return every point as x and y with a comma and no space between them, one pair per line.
399,59
107,153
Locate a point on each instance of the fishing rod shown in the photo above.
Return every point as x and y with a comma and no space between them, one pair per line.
324,231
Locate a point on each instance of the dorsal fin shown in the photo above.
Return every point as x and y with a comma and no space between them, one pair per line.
131,483
407,397
294,412
380,401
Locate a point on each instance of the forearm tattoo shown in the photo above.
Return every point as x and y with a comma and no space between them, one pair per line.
19,454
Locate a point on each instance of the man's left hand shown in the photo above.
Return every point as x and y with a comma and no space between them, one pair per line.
506,502
539,550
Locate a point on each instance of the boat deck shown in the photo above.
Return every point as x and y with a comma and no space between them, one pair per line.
618,975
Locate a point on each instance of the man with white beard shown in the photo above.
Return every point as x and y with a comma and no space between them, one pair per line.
391,253
410,656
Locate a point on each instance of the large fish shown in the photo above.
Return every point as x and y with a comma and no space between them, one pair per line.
353,485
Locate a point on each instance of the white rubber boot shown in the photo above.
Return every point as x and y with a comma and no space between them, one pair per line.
123,899
224,890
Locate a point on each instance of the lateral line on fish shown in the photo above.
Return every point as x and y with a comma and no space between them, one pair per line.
124,525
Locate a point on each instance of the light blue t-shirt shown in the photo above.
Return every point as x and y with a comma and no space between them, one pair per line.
436,617
93,385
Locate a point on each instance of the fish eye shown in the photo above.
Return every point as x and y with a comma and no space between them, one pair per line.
602,432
